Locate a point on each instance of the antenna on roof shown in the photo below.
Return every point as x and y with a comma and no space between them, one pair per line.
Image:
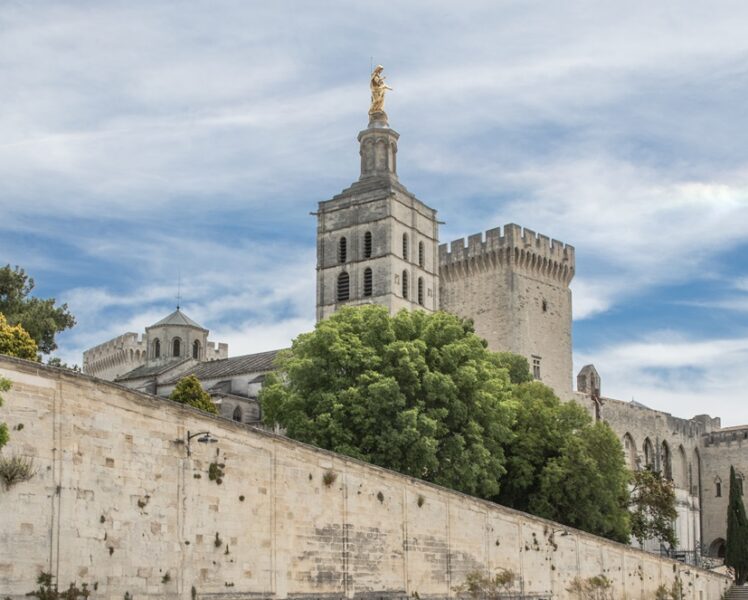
179,287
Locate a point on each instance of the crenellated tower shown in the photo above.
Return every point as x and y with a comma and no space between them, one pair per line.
514,285
376,242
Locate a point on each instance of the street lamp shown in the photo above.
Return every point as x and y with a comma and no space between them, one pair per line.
204,437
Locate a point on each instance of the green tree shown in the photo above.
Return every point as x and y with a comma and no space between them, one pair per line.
652,507
39,317
516,365
563,466
736,546
189,391
14,341
417,393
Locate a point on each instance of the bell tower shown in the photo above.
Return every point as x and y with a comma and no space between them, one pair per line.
376,242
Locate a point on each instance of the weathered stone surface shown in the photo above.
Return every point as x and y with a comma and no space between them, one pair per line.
369,533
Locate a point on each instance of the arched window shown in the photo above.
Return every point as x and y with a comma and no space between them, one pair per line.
405,246
717,487
196,349
405,285
367,244
648,453
344,287
421,254
342,250
682,470
237,416
420,291
629,451
368,283
717,548
157,348
666,464
176,347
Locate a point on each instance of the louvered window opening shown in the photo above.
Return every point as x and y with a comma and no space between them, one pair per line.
342,250
421,254
405,285
344,287
368,283
420,291
405,246
367,244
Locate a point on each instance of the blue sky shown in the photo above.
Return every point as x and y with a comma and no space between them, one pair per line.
141,140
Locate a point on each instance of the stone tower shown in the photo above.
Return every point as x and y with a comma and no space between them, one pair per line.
515,288
376,242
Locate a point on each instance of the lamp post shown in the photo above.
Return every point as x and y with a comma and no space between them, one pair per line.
205,437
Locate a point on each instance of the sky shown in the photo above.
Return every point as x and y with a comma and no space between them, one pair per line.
143,144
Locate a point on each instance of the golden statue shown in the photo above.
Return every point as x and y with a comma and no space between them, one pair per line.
378,87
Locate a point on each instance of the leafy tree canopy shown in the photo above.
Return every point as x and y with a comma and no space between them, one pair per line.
15,341
417,393
39,317
563,466
420,393
189,391
652,507
736,545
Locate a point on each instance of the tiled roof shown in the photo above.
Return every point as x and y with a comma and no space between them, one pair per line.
146,370
237,365
177,318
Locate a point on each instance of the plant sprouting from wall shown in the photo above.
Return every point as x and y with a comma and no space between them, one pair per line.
48,589
592,588
15,469
329,477
216,472
479,586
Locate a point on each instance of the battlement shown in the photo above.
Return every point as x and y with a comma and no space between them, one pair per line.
729,435
126,349
519,247
213,352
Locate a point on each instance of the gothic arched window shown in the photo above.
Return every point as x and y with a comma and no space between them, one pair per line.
367,244
176,347
344,287
156,348
405,285
196,349
666,466
648,453
421,254
420,291
405,246
237,416
368,283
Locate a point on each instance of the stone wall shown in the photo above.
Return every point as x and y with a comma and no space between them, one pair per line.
119,502
721,449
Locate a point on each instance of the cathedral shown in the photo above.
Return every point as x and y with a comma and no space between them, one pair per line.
378,243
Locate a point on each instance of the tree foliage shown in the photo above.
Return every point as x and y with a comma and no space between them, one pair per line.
5,385
736,544
39,317
15,341
652,506
563,466
417,393
189,391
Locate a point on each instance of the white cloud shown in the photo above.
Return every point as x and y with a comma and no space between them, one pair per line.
678,374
